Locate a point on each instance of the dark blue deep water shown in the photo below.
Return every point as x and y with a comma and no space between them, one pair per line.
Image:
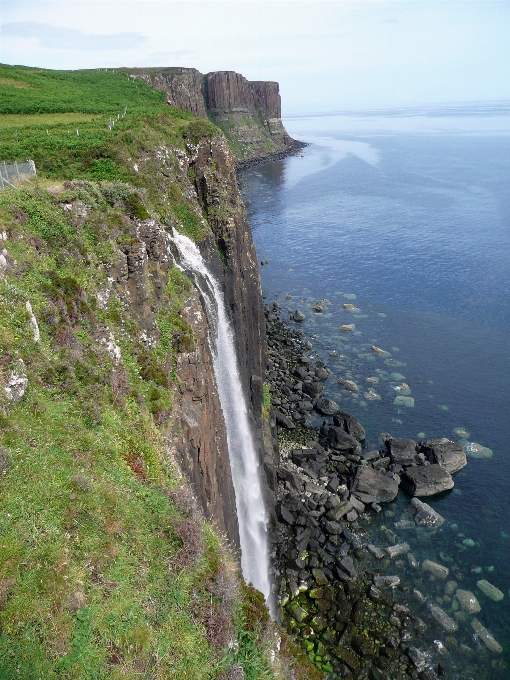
407,216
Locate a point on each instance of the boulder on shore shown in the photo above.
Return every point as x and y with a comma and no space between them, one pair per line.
426,480
372,486
284,421
349,424
327,407
339,440
402,451
312,388
444,452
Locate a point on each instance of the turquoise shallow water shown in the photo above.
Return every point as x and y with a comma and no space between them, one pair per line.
409,213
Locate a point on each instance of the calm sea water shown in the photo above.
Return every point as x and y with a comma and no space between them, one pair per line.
407,216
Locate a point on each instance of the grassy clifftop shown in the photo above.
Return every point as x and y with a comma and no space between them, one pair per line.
107,568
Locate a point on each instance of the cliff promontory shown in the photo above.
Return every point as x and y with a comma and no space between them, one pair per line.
248,112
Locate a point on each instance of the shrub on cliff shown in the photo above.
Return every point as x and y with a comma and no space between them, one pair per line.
198,129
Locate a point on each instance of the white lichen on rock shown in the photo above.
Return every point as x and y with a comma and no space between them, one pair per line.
111,347
17,382
32,322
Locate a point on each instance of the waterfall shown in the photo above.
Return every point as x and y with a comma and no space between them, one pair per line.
244,465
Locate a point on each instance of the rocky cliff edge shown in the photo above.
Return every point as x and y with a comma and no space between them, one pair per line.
248,112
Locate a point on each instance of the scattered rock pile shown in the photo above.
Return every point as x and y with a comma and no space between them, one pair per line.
349,616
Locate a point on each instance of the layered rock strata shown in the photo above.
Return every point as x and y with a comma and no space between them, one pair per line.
196,434
184,87
231,255
248,112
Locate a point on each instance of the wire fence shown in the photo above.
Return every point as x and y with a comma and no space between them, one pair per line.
16,172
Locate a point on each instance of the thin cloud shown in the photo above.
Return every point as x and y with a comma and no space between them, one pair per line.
57,38
171,56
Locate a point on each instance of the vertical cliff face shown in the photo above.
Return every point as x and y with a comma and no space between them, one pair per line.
248,112
267,95
184,87
198,437
196,432
231,254
205,173
228,91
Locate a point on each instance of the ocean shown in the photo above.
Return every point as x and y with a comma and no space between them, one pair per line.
405,215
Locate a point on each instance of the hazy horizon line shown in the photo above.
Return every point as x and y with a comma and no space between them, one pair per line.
423,107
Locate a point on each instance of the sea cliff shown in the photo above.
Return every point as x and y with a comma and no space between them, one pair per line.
248,112
119,540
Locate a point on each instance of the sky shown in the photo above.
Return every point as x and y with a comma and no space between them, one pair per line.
327,55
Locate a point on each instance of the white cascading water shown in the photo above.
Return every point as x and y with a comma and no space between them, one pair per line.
246,473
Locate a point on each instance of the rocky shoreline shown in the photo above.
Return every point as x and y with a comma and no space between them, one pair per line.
341,596
293,149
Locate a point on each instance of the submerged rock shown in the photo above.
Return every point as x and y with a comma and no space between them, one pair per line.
449,625
371,395
398,549
412,561
468,601
434,568
349,385
417,657
404,401
474,450
491,591
486,637
347,327
375,551
386,580
450,588
403,389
